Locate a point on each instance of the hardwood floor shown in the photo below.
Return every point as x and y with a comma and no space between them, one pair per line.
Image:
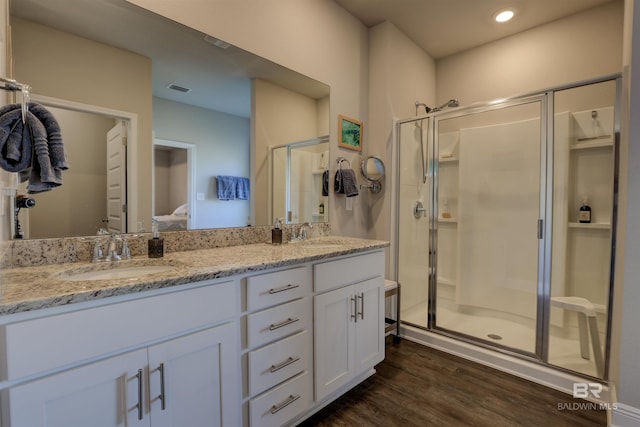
420,386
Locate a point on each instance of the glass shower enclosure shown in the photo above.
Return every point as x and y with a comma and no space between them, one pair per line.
493,244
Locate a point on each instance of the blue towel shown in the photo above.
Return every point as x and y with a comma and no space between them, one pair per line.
226,187
242,188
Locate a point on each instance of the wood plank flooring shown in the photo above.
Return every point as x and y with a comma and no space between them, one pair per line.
420,386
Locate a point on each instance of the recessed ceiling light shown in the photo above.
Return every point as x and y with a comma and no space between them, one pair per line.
504,15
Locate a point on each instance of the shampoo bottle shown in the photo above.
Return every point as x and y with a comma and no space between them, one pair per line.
156,243
584,214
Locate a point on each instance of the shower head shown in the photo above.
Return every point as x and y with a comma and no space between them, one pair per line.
452,103
422,104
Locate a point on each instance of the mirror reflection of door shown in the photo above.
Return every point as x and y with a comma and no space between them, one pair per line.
62,212
173,172
117,178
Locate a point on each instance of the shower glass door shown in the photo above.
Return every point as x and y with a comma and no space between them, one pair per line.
487,238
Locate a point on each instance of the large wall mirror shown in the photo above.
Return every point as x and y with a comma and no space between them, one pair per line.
186,114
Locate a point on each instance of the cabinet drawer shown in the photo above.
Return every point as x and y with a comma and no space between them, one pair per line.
334,274
38,345
270,289
279,361
278,322
282,403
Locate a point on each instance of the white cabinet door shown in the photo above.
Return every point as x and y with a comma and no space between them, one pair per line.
370,325
334,343
102,394
193,380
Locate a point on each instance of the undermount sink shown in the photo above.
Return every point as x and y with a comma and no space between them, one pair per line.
124,272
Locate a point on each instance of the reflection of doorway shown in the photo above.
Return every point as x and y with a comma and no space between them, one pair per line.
78,207
173,181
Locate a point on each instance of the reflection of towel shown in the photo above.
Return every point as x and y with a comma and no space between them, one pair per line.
346,182
232,187
226,187
325,183
242,188
35,151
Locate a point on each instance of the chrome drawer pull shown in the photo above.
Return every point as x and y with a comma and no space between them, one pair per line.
289,321
282,289
139,404
289,361
162,396
361,298
354,316
287,402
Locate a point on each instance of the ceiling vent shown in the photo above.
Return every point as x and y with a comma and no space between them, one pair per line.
178,88
216,42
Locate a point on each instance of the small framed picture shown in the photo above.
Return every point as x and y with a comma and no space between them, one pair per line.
349,133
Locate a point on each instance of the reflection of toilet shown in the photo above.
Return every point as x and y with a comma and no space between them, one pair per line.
586,319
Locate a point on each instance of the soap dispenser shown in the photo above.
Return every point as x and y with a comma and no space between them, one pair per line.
156,243
276,233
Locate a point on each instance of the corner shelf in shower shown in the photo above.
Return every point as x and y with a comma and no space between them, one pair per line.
590,225
448,220
448,159
593,143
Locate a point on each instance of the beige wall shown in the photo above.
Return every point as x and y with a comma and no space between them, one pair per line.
61,65
314,37
280,117
576,48
401,73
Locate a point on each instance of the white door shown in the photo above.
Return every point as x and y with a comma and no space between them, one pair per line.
193,380
334,313
117,178
370,325
102,394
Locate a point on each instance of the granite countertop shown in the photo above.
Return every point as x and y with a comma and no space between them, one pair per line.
32,288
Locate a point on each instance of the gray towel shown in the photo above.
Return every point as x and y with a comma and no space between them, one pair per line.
15,144
36,150
346,182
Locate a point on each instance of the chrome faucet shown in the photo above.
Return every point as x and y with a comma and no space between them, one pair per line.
112,251
303,233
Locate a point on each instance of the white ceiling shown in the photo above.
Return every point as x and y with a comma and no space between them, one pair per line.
445,27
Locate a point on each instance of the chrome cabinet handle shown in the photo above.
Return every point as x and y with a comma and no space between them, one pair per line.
284,288
139,405
354,316
288,401
289,361
162,397
361,298
289,321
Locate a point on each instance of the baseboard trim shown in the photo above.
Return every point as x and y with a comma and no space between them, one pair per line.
625,416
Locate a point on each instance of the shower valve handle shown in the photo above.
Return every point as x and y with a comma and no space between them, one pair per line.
419,210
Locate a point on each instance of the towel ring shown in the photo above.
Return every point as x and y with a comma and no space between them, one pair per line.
339,161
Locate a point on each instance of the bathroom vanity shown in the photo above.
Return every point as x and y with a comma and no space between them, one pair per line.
253,335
